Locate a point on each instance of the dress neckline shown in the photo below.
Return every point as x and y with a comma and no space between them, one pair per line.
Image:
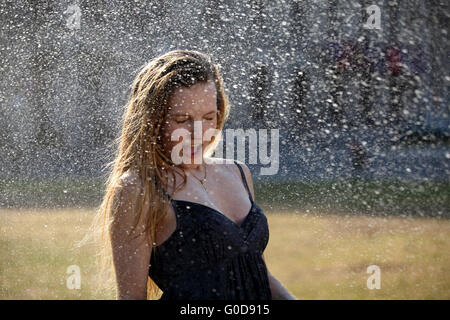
220,213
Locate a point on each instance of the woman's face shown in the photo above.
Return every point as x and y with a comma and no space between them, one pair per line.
197,105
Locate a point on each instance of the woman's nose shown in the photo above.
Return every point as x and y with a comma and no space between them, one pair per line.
196,130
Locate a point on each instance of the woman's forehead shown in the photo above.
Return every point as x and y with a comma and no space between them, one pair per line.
200,96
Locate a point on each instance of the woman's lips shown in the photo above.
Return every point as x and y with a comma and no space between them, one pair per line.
193,150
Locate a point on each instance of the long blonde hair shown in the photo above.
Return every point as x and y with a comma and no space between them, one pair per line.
139,147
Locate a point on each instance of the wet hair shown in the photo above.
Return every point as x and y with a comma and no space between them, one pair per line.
140,153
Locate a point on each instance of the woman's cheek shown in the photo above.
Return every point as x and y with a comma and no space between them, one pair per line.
209,131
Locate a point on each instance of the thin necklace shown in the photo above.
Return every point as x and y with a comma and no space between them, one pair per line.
202,181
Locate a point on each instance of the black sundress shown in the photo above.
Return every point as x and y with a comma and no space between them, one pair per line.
210,257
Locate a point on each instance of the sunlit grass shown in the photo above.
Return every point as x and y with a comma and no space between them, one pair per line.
314,256
37,247
326,257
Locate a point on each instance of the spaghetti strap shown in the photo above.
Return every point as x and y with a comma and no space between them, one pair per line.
245,180
169,198
210,257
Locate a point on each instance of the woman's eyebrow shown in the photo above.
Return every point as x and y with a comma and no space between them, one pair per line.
187,114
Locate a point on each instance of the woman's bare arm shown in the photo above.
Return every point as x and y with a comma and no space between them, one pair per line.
279,292
131,256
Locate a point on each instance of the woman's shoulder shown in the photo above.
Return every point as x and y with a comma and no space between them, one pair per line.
221,162
218,161
130,177
130,180
231,164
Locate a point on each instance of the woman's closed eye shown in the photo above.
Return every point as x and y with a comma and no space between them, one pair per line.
183,121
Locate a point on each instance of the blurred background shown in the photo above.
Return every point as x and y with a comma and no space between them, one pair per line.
359,91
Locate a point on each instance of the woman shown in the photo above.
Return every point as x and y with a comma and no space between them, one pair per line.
192,229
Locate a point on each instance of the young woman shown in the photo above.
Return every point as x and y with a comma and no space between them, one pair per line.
191,229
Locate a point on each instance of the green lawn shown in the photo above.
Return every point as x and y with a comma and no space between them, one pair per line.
357,196
316,256
349,196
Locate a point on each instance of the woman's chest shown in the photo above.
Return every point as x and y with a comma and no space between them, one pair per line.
223,191
200,229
